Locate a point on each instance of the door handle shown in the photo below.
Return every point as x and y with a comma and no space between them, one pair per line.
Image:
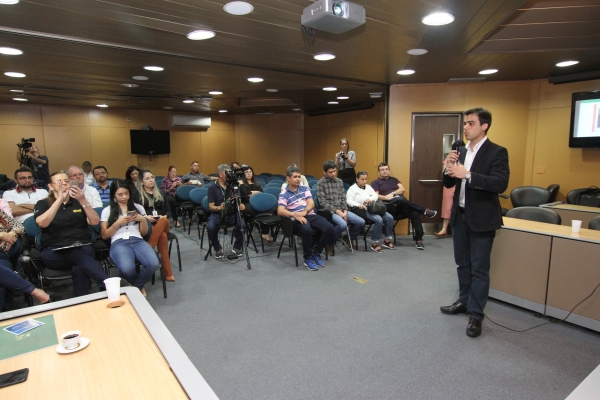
430,180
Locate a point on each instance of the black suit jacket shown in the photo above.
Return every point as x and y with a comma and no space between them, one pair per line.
489,177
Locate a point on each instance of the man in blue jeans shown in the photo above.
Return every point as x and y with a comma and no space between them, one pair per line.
331,195
296,202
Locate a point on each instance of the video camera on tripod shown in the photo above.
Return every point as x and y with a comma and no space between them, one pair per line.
234,175
26,144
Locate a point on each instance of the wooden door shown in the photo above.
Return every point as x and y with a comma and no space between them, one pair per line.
432,138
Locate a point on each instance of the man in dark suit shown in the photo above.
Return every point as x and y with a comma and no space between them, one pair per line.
480,172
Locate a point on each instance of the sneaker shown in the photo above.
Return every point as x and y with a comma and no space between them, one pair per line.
317,259
376,248
419,244
220,255
310,264
430,213
237,252
346,242
388,244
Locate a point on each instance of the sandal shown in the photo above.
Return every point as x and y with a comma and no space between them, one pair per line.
376,248
267,238
388,244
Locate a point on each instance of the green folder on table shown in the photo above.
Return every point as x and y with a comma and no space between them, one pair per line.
39,338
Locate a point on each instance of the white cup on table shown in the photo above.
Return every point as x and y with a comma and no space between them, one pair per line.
113,288
575,225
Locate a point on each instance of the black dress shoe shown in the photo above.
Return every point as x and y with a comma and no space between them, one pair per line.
474,328
456,308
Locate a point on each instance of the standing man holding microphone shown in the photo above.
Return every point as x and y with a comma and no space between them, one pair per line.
480,172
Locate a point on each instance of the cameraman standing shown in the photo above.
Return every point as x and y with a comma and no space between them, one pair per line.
345,161
37,163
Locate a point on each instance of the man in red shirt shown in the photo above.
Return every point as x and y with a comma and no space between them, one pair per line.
391,191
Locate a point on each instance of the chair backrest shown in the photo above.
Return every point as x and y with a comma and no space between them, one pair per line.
183,192
553,189
205,206
272,190
595,224
309,177
265,175
31,228
263,202
574,195
346,187
314,185
529,196
275,178
311,182
274,185
99,211
282,177
313,192
535,214
198,194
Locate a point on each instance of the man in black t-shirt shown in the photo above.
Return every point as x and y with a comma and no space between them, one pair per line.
37,163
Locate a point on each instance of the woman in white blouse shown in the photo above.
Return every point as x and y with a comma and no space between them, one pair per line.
345,161
359,195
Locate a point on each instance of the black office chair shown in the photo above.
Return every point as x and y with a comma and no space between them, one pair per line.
553,189
529,196
574,195
595,224
287,230
537,214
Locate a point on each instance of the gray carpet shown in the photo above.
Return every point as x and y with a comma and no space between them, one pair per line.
281,332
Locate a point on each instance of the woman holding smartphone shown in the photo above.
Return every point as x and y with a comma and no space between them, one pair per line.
63,218
169,186
153,201
124,223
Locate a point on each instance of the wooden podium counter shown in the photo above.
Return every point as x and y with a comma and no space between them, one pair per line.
131,354
548,269
570,212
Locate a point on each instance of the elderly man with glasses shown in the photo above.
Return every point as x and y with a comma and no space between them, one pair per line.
91,194
22,199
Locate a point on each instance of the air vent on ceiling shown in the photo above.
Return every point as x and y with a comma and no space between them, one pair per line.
466,79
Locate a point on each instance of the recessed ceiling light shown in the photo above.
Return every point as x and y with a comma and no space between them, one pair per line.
9,1
222,111
343,97
296,109
488,71
129,85
437,19
238,8
215,92
9,51
417,52
255,80
140,78
333,102
406,72
330,89
154,68
19,99
188,101
101,105
567,63
168,108
16,90
272,90
15,74
324,57
200,34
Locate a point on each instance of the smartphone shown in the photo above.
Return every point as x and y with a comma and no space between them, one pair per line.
12,378
75,184
131,214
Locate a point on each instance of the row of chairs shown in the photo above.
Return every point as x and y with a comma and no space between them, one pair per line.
533,196
545,215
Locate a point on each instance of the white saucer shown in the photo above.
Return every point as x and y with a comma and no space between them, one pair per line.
83,343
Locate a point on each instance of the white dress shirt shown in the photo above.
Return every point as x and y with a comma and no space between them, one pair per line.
471,153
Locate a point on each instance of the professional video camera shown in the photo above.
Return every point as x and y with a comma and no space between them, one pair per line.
26,144
233,175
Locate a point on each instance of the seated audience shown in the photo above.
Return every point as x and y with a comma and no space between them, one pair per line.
23,198
391,190
360,195
132,178
124,223
90,193
153,201
303,181
88,176
331,195
223,211
296,202
195,177
102,183
10,230
169,186
63,218
248,188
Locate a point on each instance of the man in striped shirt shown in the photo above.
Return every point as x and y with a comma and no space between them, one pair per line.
296,202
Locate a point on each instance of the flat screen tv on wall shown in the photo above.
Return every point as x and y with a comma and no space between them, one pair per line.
585,120
150,142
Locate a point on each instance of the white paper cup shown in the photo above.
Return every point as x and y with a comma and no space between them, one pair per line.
113,288
71,339
575,225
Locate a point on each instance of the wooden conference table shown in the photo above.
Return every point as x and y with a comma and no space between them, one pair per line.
570,212
548,269
131,354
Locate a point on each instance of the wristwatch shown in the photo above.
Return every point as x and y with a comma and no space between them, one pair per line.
468,176
85,205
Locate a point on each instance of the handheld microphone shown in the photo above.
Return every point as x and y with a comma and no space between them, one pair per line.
457,144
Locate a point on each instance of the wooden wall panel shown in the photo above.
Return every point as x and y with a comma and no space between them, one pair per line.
111,148
114,118
11,114
139,118
217,147
252,150
364,143
315,151
67,145
185,148
11,135
65,116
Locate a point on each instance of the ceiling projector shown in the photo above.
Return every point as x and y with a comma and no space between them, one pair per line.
333,16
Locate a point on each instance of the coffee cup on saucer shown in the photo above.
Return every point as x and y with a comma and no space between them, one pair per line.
71,339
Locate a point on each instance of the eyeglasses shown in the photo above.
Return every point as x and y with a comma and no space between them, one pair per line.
60,181
76,174
148,178
25,178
